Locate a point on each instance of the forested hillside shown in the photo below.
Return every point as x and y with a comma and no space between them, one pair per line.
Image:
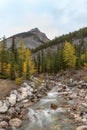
17,63
64,52
79,36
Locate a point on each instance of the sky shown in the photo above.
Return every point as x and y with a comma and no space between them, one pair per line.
53,17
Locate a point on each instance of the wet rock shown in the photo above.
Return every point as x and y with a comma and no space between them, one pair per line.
35,100
26,105
3,124
23,114
39,96
84,127
54,106
15,122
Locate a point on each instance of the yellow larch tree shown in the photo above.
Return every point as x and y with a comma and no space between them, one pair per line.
69,55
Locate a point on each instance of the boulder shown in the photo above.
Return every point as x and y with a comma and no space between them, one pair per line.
11,110
3,124
24,93
3,107
15,122
12,99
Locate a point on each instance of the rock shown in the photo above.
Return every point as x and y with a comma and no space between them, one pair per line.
3,107
12,99
14,92
28,87
1,103
71,80
11,110
80,82
54,106
84,127
23,114
39,96
86,97
84,104
15,122
3,124
29,93
35,91
17,109
4,117
24,93
24,101
28,104
84,120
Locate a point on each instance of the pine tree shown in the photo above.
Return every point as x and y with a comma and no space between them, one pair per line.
13,60
21,58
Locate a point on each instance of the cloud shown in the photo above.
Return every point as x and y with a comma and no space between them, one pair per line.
54,17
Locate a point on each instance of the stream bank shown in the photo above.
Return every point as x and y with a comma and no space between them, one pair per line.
33,108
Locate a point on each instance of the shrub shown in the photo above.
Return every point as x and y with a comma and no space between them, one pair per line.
3,76
18,81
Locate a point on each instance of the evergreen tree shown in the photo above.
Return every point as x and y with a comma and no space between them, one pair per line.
13,60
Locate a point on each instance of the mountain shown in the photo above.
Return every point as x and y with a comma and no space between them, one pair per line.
77,37
32,38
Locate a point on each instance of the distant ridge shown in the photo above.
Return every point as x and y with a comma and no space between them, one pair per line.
76,37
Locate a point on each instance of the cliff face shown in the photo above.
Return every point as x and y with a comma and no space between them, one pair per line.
32,38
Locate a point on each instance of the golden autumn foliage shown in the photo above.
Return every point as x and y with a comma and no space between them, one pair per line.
69,55
28,60
84,56
6,68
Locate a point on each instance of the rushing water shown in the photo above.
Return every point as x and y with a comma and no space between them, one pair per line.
43,117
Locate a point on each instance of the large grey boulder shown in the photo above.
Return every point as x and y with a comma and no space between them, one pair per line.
3,107
12,99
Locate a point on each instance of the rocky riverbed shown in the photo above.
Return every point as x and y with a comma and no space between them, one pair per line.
14,108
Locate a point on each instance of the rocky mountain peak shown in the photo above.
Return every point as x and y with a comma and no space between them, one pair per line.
35,30
32,38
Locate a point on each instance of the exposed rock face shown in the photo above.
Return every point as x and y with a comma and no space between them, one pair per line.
32,38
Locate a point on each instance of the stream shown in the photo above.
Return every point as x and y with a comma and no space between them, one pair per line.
43,117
